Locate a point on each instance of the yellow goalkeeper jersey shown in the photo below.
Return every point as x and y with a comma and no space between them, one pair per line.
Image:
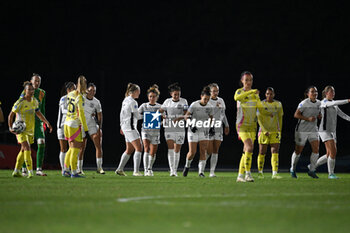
25,111
246,108
270,116
75,110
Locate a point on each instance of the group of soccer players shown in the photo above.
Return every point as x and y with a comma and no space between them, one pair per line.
80,113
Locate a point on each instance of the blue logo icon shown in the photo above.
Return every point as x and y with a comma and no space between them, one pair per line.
151,120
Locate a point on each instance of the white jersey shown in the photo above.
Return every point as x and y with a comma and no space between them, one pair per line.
201,112
330,111
147,107
90,108
62,112
308,109
174,110
129,114
219,110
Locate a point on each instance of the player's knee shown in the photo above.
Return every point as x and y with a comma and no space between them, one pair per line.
41,141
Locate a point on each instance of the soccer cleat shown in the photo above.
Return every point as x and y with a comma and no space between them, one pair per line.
81,172
312,174
100,171
212,175
76,176
293,174
201,175
249,178
24,172
40,173
276,176
150,173
185,171
333,176
16,174
137,174
240,179
120,173
66,174
30,175
175,174
261,175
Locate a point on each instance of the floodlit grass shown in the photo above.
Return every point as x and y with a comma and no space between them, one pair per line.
109,203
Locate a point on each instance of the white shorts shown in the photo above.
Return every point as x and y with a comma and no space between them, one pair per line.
152,136
326,136
218,136
93,128
177,137
302,137
197,136
131,136
60,134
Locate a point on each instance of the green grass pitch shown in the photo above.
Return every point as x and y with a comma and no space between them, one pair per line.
109,203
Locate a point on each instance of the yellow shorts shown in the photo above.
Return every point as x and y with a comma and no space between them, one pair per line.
272,138
244,134
22,137
73,134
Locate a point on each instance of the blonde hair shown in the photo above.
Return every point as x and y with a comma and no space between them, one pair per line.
154,89
131,88
325,90
81,84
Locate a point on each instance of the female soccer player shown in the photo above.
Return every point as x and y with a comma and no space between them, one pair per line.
328,125
129,116
200,111
270,114
26,108
247,99
306,130
74,124
62,112
150,134
92,107
175,108
216,138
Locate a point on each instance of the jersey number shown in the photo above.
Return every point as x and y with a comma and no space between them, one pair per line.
71,106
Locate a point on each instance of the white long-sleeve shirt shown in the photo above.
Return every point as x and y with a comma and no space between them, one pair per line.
330,111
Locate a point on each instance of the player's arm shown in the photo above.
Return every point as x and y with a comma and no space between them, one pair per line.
100,119
43,119
343,115
43,103
10,121
240,95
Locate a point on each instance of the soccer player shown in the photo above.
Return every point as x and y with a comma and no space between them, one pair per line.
150,136
216,138
25,109
328,125
74,124
246,123
129,116
39,134
200,111
62,112
306,130
92,107
175,109
270,114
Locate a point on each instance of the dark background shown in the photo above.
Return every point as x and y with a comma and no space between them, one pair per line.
288,45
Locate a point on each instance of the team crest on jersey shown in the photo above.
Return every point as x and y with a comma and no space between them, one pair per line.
151,120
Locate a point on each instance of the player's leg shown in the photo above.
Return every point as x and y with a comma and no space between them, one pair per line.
40,136
210,148
331,147
81,157
192,150
97,138
75,147
248,156
63,151
125,158
146,154
261,158
214,156
171,153
300,140
25,147
313,158
152,158
275,160
203,145
137,156
177,149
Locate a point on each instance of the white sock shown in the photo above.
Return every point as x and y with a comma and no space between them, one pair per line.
171,159
213,162
321,160
177,160
207,155
61,157
331,165
188,163
123,160
313,161
137,161
151,160
80,165
201,166
145,160
99,163
274,172
295,159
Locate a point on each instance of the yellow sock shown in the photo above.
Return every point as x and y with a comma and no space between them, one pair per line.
274,162
67,159
28,159
248,161
74,159
241,165
261,162
19,160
